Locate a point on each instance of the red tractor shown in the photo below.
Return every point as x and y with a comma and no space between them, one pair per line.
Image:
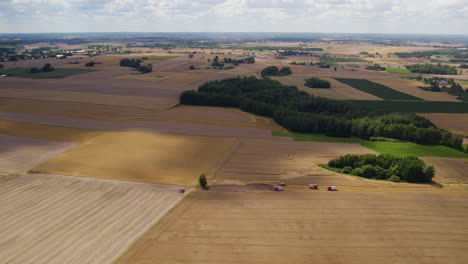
313,186
332,188
278,188
182,190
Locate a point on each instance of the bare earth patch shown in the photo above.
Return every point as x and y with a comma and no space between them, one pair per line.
61,219
449,170
457,123
309,227
20,154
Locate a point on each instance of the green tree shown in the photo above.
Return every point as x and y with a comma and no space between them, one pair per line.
47,67
203,182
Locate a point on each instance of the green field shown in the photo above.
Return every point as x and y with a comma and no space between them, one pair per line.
316,137
56,73
398,70
394,148
414,107
159,57
334,61
376,89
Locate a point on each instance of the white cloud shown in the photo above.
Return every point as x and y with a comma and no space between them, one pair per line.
384,16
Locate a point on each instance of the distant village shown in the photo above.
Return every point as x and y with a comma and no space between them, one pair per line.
23,53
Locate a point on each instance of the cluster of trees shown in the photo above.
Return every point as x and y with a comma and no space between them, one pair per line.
317,83
135,63
248,60
385,167
376,67
300,112
274,71
432,69
90,64
46,68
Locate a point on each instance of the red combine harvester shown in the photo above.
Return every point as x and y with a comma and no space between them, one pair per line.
278,188
332,188
313,186
182,190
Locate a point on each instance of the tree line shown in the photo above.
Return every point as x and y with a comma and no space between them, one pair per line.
136,63
385,167
432,69
300,112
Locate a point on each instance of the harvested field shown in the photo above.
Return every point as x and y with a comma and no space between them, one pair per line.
338,90
222,116
449,170
141,157
309,227
20,154
457,123
153,103
162,127
62,219
292,162
46,132
101,83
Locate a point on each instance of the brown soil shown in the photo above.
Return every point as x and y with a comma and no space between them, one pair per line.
309,227
457,123
449,170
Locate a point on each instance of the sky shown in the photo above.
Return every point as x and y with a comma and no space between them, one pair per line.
340,16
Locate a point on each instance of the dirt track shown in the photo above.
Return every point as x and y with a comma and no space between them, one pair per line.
61,219
309,227
20,154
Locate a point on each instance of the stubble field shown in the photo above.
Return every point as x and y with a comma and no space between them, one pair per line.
142,157
309,227
61,219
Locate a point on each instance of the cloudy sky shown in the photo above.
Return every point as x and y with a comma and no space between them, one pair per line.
347,16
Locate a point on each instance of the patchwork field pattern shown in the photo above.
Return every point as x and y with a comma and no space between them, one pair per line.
20,154
61,219
309,227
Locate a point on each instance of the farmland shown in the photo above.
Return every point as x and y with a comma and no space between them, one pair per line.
92,159
57,219
241,227
142,157
56,73
394,148
376,89
415,107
